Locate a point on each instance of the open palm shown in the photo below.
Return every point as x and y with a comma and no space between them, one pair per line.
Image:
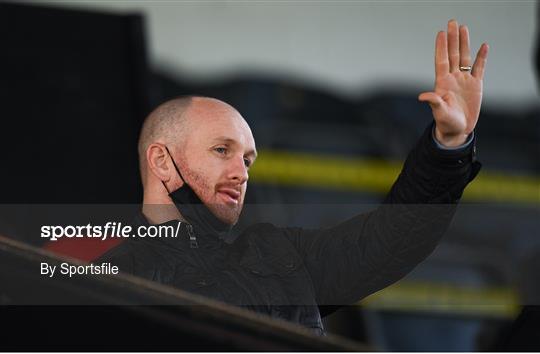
457,97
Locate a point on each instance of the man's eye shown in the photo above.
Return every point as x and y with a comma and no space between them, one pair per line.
221,150
247,162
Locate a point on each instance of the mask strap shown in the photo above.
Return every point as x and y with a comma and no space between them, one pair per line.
177,171
175,167
164,186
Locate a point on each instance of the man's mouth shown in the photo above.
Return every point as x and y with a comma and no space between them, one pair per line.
229,195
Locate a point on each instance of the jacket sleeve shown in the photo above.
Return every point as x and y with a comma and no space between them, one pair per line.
370,251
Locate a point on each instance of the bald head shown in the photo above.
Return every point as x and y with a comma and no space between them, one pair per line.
172,122
202,142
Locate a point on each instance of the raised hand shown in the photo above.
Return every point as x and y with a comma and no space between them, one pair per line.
457,97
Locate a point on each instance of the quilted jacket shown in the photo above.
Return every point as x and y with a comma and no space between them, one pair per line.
301,274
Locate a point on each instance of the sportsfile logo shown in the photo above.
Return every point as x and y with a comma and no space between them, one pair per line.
109,230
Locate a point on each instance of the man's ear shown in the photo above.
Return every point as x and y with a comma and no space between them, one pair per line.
159,162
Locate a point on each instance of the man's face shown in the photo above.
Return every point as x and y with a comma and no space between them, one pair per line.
218,151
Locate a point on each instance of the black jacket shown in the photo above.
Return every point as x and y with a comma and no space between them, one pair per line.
291,273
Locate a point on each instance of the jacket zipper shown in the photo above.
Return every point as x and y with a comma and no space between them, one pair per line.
193,244
192,238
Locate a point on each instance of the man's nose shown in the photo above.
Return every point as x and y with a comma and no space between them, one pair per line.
239,171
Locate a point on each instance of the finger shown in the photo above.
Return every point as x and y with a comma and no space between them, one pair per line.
441,55
432,98
453,45
464,47
480,61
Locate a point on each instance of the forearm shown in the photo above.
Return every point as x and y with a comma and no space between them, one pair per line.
432,174
370,251
419,207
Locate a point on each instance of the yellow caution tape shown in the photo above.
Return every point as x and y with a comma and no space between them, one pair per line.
377,175
429,297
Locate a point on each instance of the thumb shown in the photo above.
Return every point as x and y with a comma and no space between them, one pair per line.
432,98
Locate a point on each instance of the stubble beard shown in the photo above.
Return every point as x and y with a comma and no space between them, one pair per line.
228,214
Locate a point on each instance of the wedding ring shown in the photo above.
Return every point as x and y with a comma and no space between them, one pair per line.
465,68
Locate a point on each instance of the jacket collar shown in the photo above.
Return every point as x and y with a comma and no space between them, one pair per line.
186,238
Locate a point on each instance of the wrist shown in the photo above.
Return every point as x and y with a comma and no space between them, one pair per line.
450,141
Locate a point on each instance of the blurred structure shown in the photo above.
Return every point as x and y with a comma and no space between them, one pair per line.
537,46
76,85
74,92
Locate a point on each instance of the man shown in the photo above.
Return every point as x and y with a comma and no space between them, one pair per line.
195,156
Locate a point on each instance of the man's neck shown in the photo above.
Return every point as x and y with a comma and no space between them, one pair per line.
158,209
160,213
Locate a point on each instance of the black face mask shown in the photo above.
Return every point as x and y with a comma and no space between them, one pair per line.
191,207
